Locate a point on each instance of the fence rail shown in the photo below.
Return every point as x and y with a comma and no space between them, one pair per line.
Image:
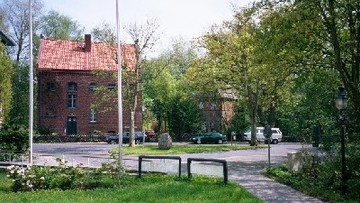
223,162
8,158
158,157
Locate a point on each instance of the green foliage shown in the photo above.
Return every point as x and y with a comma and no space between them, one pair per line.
240,122
164,85
326,34
64,177
311,186
58,26
19,112
6,70
14,138
184,117
104,33
45,130
324,179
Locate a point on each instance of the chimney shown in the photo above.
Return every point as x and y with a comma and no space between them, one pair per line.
87,47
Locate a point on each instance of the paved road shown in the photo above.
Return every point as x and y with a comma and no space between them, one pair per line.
94,151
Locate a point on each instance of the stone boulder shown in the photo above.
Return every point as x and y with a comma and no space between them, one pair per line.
165,141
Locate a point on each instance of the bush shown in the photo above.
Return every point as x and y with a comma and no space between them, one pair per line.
65,177
14,138
53,138
324,179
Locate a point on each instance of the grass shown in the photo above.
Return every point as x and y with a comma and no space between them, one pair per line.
150,188
180,149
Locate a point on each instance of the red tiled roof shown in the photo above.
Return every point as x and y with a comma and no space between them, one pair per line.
70,55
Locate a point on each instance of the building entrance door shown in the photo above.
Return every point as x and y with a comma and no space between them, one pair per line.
71,126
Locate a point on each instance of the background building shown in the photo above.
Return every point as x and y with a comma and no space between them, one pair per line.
77,88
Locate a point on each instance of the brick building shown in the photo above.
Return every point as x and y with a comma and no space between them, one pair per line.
73,78
218,110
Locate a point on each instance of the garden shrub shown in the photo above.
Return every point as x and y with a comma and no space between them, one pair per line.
65,177
14,138
323,178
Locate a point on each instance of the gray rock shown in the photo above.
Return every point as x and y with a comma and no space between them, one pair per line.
165,141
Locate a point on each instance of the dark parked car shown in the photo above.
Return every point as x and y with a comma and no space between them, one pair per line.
150,136
139,137
113,138
212,137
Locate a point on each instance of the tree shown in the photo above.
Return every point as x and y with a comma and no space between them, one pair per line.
164,85
144,37
185,117
104,33
159,86
57,26
334,26
178,57
7,70
19,112
234,67
16,14
341,21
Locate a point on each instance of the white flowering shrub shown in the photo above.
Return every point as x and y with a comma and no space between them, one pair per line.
62,177
26,179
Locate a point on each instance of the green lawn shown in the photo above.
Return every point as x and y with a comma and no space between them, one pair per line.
150,188
180,149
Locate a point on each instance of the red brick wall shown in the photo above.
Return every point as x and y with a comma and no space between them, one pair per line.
212,114
218,113
57,100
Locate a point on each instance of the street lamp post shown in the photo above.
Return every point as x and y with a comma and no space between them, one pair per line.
341,104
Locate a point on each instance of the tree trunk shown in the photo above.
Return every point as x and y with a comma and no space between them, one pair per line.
132,128
252,107
272,115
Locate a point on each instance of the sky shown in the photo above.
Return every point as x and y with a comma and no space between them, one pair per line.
185,19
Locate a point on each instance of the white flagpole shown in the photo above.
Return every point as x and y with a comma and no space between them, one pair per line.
31,89
119,81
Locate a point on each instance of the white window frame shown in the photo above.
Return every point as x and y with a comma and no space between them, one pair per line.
92,116
72,99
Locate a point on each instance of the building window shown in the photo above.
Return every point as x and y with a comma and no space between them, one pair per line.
92,116
71,101
50,113
111,87
72,87
92,87
50,86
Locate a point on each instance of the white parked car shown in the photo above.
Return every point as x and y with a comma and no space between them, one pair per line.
276,136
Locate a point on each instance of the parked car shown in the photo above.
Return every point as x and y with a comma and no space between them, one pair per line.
212,137
150,136
113,138
276,136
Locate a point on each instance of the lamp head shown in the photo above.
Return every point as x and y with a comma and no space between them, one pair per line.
341,99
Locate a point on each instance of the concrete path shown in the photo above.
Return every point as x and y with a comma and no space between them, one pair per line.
249,176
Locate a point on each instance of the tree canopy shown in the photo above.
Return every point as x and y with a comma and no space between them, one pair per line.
7,71
57,26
